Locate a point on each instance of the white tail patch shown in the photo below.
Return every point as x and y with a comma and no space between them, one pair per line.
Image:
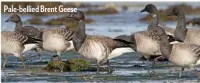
198,62
175,42
119,51
71,46
16,54
29,47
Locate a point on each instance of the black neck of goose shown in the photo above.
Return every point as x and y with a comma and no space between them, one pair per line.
79,36
181,30
155,20
165,46
18,26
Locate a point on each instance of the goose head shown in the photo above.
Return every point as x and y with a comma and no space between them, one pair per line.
176,11
150,8
14,18
79,15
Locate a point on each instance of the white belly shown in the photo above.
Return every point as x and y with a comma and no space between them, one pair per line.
148,46
182,57
93,50
193,36
54,43
71,47
11,47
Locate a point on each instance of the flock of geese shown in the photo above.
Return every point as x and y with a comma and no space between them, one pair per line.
181,46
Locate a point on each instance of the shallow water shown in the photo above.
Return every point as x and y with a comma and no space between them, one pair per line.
127,68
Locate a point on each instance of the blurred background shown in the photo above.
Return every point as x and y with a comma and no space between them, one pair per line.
102,18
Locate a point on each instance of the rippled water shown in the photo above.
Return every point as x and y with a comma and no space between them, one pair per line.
127,68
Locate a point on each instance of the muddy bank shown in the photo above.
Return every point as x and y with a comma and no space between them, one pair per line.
102,11
68,22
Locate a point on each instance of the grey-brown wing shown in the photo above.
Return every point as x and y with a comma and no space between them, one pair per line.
15,36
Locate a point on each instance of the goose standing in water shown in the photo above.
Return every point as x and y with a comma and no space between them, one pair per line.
181,33
151,9
91,46
57,40
180,54
144,43
13,43
29,31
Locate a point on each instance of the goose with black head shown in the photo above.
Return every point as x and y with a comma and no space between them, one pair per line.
14,43
180,54
144,43
181,33
28,31
94,47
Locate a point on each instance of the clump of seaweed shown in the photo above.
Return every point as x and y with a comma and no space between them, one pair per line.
72,65
67,66
78,64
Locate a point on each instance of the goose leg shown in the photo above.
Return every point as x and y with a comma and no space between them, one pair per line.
53,56
22,60
38,50
59,56
147,58
196,71
5,61
108,64
181,72
156,59
142,58
98,66
109,68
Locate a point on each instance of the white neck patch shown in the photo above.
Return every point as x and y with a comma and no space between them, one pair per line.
154,15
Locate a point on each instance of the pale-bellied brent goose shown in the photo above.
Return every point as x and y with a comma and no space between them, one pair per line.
144,43
57,40
180,54
28,31
181,33
93,46
13,43
152,10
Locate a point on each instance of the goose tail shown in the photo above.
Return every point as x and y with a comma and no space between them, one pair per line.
32,40
120,43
